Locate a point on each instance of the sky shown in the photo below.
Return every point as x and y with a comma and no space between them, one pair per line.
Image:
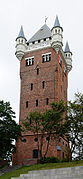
31,14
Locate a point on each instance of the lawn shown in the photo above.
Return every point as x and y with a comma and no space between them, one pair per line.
25,169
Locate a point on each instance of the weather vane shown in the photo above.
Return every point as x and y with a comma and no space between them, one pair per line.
46,19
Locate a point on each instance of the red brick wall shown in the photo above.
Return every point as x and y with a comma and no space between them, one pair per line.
55,89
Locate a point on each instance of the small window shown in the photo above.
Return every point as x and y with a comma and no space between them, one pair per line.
47,101
59,31
63,142
37,71
31,86
30,61
46,58
36,139
62,155
66,145
47,138
35,153
38,41
37,102
55,30
24,140
27,104
43,84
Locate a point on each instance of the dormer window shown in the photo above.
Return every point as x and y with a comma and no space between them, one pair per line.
46,57
29,61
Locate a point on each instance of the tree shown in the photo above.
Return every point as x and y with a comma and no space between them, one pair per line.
75,126
9,130
50,123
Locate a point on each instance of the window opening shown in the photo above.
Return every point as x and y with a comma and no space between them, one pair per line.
31,86
27,104
43,84
37,71
35,153
30,61
37,102
46,58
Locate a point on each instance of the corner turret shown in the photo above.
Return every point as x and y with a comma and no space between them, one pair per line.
68,57
57,35
20,44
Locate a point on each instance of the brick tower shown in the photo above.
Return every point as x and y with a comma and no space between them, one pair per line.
44,68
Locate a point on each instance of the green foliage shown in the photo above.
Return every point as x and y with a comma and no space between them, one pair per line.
9,130
75,126
50,122
49,160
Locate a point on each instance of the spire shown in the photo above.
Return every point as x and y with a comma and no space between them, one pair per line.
67,49
21,33
56,24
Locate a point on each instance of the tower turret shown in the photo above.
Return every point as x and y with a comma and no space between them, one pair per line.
20,44
57,35
68,57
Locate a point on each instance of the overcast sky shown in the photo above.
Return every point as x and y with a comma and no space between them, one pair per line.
31,14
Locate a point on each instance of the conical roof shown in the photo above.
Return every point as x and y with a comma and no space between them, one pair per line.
21,33
56,24
42,33
67,49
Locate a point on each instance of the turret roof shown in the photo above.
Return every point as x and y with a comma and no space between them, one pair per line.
56,24
21,33
42,33
67,49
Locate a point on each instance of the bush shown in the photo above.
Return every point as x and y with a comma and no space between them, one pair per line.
49,160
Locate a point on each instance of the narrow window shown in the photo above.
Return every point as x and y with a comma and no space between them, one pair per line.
37,102
55,30
47,101
37,71
31,86
35,153
62,155
27,104
43,84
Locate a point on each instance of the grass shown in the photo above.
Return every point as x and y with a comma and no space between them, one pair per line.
26,169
